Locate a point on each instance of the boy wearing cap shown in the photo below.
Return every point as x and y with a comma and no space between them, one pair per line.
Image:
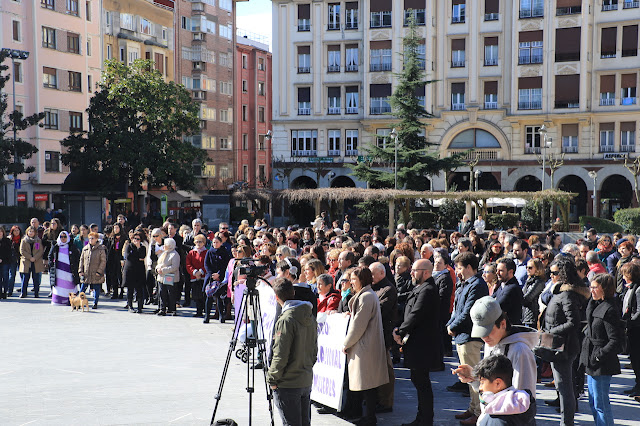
515,342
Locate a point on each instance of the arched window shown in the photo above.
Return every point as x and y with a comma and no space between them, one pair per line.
474,138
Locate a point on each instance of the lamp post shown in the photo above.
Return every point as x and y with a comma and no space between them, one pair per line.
594,175
394,135
543,135
15,54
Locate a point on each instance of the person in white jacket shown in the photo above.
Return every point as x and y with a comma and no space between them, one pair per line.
501,338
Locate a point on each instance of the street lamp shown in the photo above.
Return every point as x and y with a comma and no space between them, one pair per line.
543,135
15,54
594,175
394,136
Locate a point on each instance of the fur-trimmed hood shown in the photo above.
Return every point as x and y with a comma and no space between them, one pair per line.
582,290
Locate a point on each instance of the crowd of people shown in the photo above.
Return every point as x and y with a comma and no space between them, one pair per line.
532,307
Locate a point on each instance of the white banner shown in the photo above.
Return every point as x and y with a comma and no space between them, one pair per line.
328,372
268,308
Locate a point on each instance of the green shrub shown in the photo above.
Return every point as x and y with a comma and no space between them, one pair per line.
450,213
629,219
424,219
24,214
601,225
503,221
530,215
371,213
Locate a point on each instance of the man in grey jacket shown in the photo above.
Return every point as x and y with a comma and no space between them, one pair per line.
295,349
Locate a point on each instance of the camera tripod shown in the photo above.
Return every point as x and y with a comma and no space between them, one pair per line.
252,314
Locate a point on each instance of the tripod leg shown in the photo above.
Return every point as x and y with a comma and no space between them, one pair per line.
262,350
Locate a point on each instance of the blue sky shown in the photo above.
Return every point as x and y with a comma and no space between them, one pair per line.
254,16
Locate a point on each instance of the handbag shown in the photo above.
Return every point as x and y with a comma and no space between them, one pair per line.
212,288
168,279
550,347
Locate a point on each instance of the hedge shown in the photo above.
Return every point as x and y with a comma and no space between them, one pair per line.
503,221
24,214
424,219
629,219
601,225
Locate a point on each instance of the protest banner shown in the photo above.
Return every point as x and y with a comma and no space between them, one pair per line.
328,372
267,300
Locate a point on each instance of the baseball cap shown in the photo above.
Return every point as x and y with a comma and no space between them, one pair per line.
484,314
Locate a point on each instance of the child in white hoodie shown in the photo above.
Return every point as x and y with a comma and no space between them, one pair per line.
500,402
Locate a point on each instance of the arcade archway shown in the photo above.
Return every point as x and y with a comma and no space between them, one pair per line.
577,206
616,193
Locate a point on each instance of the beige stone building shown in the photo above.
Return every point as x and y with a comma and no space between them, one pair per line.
503,69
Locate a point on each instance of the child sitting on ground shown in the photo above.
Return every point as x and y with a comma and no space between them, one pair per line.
501,403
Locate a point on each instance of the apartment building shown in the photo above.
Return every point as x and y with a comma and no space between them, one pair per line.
503,69
205,46
64,63
253,98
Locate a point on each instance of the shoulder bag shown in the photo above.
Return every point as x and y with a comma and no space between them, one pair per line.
550,347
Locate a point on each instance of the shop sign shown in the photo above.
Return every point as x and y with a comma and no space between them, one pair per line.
41,197
615,155
22,197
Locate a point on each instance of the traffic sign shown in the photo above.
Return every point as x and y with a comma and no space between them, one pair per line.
18,184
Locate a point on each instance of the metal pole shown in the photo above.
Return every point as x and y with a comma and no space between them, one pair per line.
544,157
595,203
395,171
15,146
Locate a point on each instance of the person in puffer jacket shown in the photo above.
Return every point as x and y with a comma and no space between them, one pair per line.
500,402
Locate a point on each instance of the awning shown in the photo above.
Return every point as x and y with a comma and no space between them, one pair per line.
492,202
171,196
190,195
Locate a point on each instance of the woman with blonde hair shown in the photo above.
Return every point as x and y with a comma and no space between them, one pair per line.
312,270
490,276
168,269
31,264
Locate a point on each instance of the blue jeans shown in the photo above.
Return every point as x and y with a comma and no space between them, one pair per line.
95,289
599,399
36,276
294,405
13,267
4,278
563,378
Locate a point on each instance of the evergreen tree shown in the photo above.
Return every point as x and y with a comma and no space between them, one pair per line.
416,161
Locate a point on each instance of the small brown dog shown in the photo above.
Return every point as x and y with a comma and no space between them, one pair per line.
79,301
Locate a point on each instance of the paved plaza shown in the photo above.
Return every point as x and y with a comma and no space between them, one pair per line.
111,367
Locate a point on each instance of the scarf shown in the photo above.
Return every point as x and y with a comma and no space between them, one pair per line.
59,240
15,239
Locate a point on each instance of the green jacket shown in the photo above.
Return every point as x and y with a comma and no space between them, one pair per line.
295,346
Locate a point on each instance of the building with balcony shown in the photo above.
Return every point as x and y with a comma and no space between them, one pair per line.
253,98
502,70
57,78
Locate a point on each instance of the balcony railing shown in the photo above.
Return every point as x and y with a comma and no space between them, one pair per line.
491,16
333,153
607,148
304,111
529,59
380,110
629,52
627,148
457,19
457,63
532,13
352,110
333,26
385,66
490,105
304,25
304,153
351,68
567,104
351,25
571,10
489,62
458,107
351,153
570,149
532,150
530,105
628,101
631,4
607,101
607,55
567,57
334,111
607,7
333,68
482,155
304,70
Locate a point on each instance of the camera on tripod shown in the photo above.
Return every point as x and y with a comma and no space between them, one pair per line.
253,271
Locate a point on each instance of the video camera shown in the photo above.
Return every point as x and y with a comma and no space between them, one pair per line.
252,270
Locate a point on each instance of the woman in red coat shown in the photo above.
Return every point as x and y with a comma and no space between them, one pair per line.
195,267
328,297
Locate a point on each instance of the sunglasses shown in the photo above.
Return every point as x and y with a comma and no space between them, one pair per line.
136,239
224,229
554,272
530,267
63,237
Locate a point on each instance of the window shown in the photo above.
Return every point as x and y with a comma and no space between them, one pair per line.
304,17
458,11
158,62
631,4
570,138
145,26
606,137
260,114
224,116
607,90
16,34
334,101
457,96
87,12
49,78
127,21
123,54
245,62
568,44
51,161
73,43
89,83
530,48
531,8
380,98
209,170
629,85
304,143
491,10
262,176
109,51
380,55
334,16
568,7
334,58
245,86
224,59
48,38
225,143
245,113
351,15
226,31
608,42
75,81
351,142
245,142
51,119
224,172
490,51
532,140
351,58
226,5
304,59
133,55
458,53
567,91
422,56
353,105
226,88
609,5
17,72
334,143
629,40
261,89
490,95
261,64
88,46
72,7
75,121
261,142
382,137
530,93
474,138
304,101
245,173
381,13
418,16
628,136
48,4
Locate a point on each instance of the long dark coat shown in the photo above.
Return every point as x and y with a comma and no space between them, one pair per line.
134,270
603,339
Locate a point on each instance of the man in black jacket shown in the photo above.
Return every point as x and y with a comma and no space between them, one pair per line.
509,293
419,336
